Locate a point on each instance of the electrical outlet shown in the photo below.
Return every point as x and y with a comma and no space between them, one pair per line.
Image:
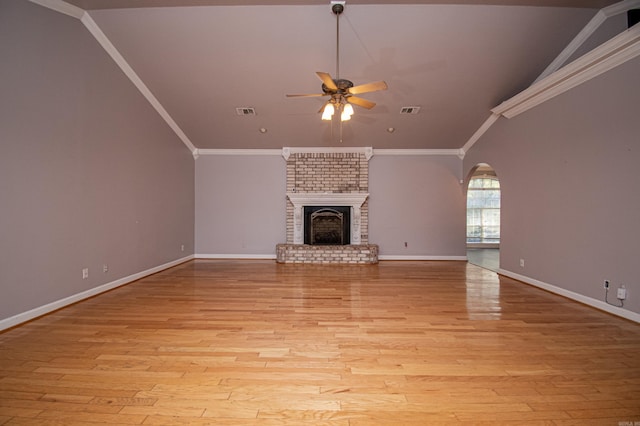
105,268
606,283
522,263
182,247
85,273
406,244
622,293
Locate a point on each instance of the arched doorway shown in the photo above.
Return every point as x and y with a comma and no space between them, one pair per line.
483,217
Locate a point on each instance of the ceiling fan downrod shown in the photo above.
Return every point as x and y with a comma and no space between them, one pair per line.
337,8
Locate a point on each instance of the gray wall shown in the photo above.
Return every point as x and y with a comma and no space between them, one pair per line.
570,189
240,205
418,200
89,173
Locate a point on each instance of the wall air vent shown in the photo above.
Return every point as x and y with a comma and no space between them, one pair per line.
409,110
245,111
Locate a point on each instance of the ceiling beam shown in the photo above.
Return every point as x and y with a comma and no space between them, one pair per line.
587,31
614,52
535,92
61,7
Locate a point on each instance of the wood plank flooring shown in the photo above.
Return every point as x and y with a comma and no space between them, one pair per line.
260,343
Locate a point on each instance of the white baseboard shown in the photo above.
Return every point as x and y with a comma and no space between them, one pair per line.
234,256
50,307
273,256
595,303
406,257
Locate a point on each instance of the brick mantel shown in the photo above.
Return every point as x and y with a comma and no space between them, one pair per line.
300,200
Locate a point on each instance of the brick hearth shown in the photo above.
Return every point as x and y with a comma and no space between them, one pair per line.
302,253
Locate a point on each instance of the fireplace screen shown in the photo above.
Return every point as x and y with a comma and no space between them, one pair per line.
327,225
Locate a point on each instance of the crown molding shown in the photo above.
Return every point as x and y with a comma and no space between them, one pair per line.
106,44
481,131
93,28
368,151
419,152
610,54
268,152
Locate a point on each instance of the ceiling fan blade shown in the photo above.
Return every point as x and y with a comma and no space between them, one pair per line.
310,95
361,102
368,87
327,80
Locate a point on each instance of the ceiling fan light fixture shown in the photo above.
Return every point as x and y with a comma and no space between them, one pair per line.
347,112
328,111
341,90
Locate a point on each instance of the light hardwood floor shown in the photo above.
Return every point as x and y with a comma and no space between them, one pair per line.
259,343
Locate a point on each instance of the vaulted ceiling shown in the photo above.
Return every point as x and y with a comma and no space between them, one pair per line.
456,60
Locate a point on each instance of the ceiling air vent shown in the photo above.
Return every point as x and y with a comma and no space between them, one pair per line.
245,111
410,110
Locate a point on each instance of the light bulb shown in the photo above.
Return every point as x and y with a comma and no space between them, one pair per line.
328,111
348,109
344,116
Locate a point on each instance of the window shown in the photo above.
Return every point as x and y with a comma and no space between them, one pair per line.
483,210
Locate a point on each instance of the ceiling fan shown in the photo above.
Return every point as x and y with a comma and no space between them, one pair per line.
341,91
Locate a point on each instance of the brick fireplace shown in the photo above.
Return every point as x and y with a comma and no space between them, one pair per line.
334,182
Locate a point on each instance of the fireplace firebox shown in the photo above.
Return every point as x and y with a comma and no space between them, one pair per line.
351,202
327,225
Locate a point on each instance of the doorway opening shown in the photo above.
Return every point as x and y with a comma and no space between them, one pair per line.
483,218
